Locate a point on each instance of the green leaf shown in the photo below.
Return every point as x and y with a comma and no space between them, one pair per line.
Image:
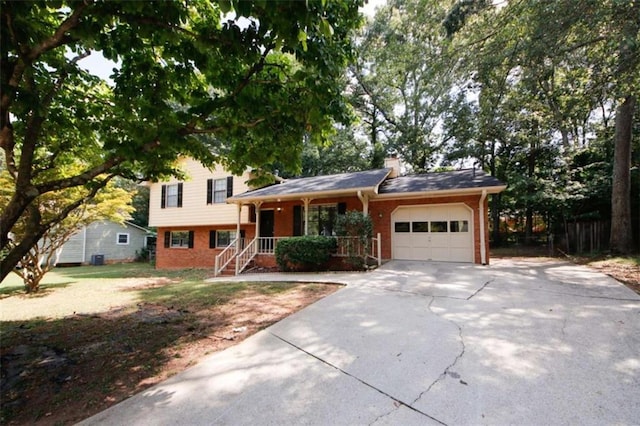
302,38
325,28
225,6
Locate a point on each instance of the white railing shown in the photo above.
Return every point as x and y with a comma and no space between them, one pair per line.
225,257
243,259
353,246
347,246
267,245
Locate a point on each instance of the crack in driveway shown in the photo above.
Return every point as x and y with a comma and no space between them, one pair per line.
398,403
457,358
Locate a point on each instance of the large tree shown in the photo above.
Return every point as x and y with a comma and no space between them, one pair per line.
404,79
570,63
236,82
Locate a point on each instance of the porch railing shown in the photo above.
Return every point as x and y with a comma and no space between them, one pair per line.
347,246
226,256
353,246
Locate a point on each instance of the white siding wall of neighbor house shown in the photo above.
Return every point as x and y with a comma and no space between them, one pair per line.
195,210
102,238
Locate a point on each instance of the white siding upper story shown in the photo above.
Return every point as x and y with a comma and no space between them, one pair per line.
199,202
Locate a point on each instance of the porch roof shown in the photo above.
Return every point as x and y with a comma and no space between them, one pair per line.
326,186
452,181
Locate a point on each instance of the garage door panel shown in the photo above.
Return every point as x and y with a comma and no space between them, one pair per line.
435,232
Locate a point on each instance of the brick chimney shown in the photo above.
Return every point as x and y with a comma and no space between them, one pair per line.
393,162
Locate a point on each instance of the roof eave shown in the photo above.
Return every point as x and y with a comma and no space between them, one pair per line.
441,193
300,195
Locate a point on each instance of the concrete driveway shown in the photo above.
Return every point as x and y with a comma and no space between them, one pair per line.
518,342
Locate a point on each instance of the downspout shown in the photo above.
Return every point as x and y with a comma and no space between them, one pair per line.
483,248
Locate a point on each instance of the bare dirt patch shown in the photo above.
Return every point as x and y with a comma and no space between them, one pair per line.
64,370
627,272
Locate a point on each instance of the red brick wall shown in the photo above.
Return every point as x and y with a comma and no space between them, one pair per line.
200,256
380,212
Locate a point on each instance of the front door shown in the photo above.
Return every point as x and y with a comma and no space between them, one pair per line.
266,231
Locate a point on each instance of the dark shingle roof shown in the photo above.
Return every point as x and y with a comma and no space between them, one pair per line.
429,182
330,183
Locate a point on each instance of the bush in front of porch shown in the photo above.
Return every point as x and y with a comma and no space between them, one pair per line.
308,253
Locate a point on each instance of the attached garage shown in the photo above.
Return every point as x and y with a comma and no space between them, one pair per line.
441,232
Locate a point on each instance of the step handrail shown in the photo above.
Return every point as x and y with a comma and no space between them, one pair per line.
225,257
243,259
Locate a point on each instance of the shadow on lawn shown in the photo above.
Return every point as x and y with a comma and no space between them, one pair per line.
64,370
70,368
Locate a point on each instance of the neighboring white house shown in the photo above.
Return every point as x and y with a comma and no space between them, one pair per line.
104,242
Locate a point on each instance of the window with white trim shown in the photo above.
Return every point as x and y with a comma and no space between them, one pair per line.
122,239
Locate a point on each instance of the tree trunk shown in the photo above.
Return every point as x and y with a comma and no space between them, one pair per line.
620,242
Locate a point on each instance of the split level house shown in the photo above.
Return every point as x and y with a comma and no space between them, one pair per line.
214,219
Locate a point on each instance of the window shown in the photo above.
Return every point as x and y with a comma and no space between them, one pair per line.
180,239
218,190
171,195
322,218
122,239
401,226
420,226
439,226
224,238
459,226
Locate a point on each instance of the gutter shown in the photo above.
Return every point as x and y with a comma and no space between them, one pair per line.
483,248
439,193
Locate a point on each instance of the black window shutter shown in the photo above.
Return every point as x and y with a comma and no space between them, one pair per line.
212,239
180,194
297,221
191,239
229,186
209,191
252,213
163,199
167,239
342,208
242,233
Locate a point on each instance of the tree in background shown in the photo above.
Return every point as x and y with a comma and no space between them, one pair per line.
548,77
241,83
403,80
111,203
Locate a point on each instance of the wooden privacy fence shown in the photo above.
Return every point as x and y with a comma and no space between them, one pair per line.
586,237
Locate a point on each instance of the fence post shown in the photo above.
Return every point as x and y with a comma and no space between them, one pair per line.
379,249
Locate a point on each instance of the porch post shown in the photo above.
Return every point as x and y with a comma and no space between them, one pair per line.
306,202
364,198
257,204
238,246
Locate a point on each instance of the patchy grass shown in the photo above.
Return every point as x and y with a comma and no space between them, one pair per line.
96,335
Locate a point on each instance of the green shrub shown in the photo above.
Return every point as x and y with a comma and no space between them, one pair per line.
309,253
358,226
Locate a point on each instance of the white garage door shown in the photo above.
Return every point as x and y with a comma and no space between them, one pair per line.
438,232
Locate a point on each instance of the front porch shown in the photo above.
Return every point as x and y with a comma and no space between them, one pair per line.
241,254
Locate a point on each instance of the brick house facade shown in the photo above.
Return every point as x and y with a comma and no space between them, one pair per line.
435,216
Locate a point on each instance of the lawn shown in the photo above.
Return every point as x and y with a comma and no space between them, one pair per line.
95,335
